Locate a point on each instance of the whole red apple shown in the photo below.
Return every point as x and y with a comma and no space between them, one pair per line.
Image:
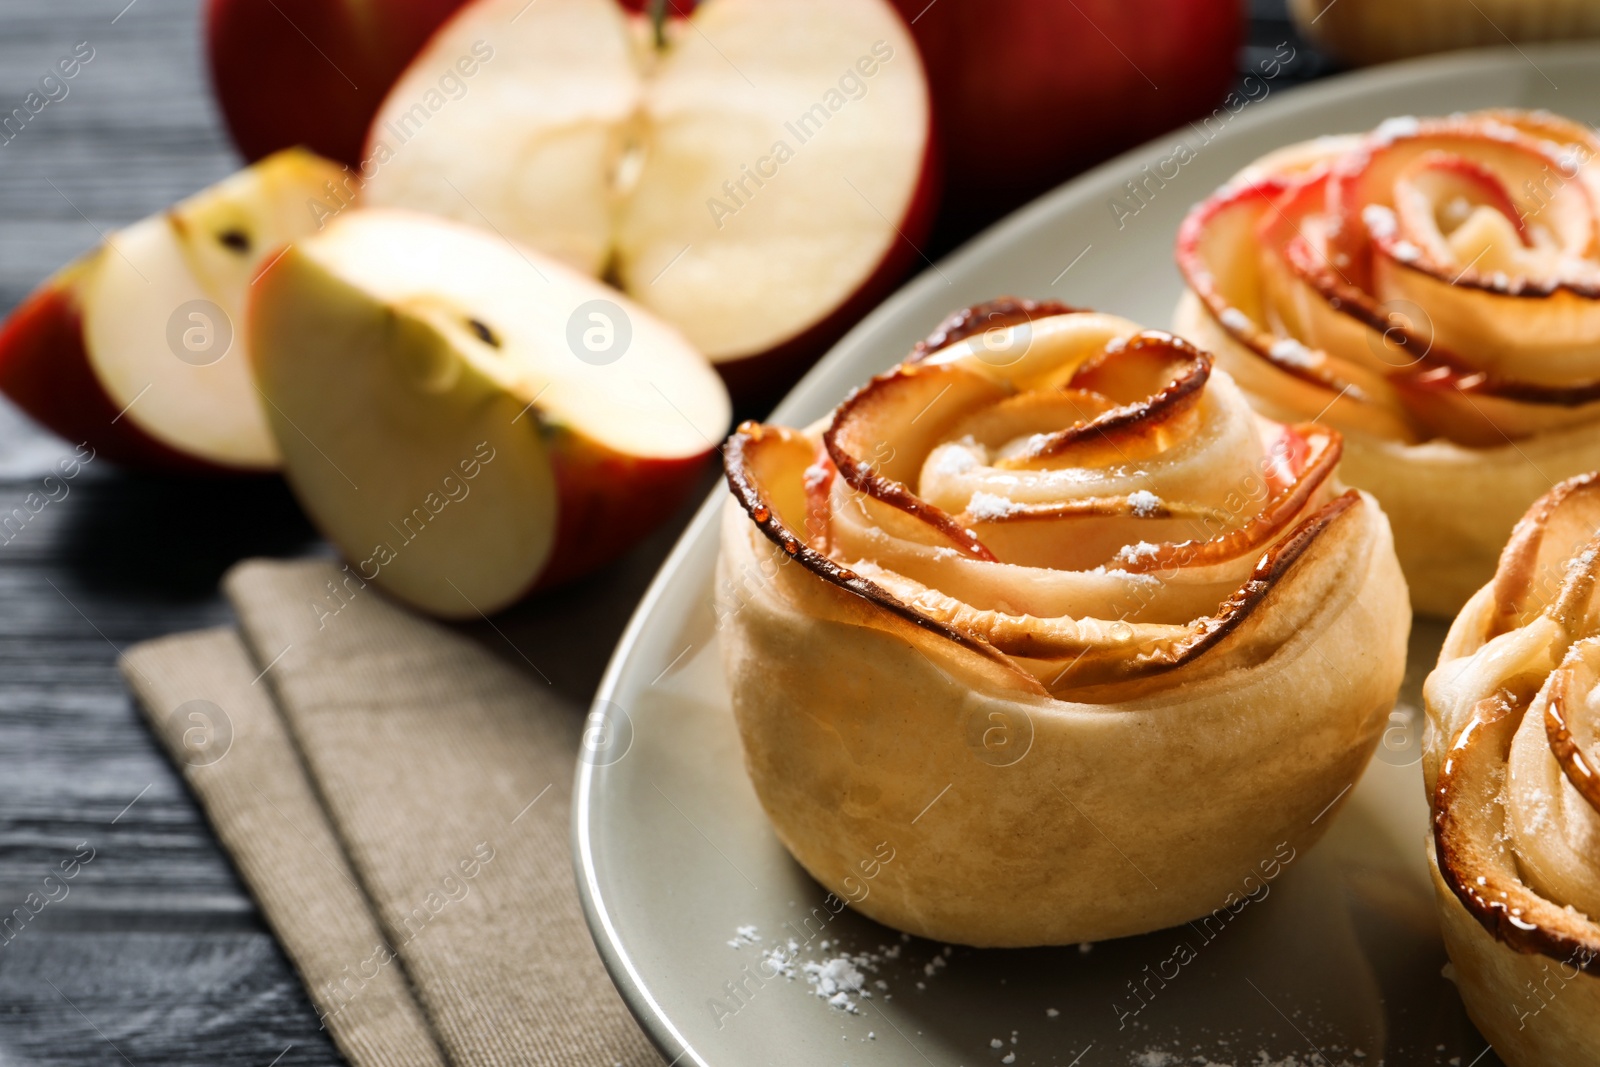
312,72
1028,92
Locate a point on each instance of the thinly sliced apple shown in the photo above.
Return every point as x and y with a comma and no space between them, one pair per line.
446,420
748,180
137,348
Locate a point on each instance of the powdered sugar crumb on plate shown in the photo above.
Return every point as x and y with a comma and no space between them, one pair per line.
836,980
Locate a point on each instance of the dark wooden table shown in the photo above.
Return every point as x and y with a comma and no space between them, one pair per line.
156,955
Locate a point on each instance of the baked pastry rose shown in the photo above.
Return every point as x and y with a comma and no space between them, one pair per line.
1050,616
1511,757
1432,290
1381,31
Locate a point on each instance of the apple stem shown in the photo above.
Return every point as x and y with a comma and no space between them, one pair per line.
658,22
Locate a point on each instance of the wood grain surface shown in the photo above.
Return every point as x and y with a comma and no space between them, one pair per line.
156,955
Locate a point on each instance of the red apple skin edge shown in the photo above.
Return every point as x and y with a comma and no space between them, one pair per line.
277,89
45,370
607,502
1033,91
759,381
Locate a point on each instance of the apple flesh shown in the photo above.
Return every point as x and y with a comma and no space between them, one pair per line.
1026,94
134,348
446,420
311,72
758,181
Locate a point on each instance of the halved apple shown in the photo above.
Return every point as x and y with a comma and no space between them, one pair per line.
311,72
135,347
466,419
759,177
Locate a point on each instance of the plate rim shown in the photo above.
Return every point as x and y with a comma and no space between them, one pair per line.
1313,96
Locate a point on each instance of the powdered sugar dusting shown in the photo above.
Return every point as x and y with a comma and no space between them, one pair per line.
1392,129
954,460
1037,443
988,507
841,979
780,961
1380,221
1288,350
835,980
1501,131
1160,1057
1236,320
1144,503
1406,252
1134,553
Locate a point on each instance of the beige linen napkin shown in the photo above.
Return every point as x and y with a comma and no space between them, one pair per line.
397,799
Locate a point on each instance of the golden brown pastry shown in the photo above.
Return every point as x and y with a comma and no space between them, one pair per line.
1511,757
1046,613
1378,31
1432,290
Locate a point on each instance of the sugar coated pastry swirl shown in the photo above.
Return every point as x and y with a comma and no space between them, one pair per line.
1432,290
1512,762
1051,612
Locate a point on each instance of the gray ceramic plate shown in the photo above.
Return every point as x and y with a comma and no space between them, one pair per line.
1339,963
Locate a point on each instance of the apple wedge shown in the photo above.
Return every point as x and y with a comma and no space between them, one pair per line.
134,348
759,177
466,419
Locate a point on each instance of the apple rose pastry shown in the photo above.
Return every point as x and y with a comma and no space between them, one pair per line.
1432,290
1511,757
1050,616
